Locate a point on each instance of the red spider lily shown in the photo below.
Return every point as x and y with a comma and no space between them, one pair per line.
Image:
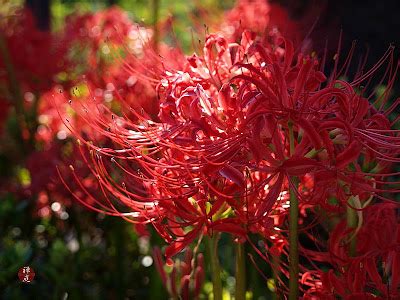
30,59
219,160
192,210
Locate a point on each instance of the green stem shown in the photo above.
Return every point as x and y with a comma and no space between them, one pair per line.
293,230
215,267
275,275
240,293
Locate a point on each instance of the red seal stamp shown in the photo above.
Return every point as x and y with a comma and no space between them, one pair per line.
26,274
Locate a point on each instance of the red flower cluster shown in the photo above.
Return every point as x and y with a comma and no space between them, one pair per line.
29,61
242,130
